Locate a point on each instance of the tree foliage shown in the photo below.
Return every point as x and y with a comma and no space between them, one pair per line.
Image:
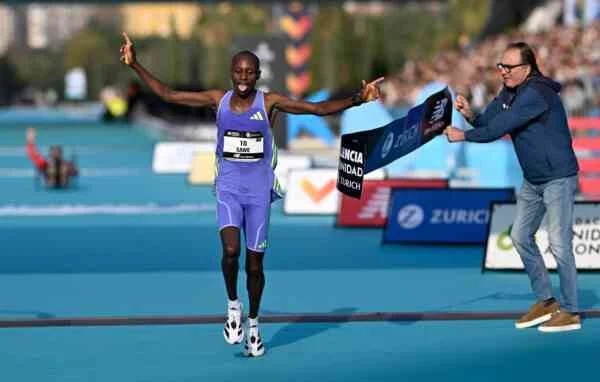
96,50
37,68
346,47
9,80
215,32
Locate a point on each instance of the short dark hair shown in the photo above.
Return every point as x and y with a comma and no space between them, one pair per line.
249,54
527,55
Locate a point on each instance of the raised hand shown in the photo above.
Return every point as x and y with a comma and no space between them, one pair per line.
462,105
30,134
127,51
370,91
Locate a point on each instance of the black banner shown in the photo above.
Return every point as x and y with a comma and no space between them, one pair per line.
366,151
351,166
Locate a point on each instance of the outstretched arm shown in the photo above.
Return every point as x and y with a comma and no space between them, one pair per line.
526,108
37,159
204,98
369,92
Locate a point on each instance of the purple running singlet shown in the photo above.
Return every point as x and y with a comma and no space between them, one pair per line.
245,182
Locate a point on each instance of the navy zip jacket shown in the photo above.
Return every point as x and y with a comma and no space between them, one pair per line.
536,120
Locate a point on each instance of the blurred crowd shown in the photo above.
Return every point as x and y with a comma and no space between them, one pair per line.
569,55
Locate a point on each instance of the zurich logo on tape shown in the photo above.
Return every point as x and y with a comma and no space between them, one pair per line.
410,216
387,144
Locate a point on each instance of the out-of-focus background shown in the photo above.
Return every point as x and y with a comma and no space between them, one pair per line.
64,57
135,236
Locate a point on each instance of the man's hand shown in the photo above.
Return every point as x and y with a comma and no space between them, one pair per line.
454,134
30,135
370,91
463,107
127,51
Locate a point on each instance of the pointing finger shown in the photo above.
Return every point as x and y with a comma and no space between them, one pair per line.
127,39
377,81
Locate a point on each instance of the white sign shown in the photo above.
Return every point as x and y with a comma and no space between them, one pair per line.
177,157
501,254
75,84
311,192
314,191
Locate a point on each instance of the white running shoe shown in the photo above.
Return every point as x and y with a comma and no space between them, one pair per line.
234,330
254,346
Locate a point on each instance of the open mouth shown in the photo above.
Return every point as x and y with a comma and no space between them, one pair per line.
242,88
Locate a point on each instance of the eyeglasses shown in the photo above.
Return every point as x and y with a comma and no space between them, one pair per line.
508,68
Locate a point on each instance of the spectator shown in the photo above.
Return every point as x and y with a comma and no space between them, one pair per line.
56,171
529,109
571,55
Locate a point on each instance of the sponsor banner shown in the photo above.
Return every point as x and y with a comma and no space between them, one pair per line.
351,165
313,191
177,157
371,210
500,254
449,216
365,151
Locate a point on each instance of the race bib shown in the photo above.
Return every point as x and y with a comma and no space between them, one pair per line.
243,146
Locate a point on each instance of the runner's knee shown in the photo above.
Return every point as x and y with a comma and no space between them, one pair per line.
254,263
231,251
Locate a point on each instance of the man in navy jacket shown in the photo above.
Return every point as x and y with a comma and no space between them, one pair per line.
530,110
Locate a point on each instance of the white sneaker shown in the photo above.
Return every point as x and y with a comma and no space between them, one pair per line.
234,330
254,346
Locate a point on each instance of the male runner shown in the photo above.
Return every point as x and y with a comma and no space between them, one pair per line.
245,181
